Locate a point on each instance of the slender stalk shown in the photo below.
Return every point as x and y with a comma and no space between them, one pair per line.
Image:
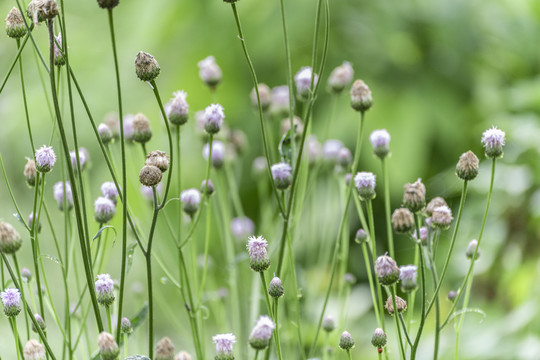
21,217
21,73
126,345
400,340
389,232
424,313
109,320
17,269
437,307
13,321
15,60
405,331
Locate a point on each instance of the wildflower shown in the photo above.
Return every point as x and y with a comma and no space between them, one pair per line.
302,81
113,123
105,289
378,339
178,109
125,326
282,174
218,153
262,333
142,132
467,166
210,72
108,4
73,157
423,234
108,348
380,140
265,94
441,217
434,203
314,149
26,274
109,190
340,77
401,305
40,322
213,116
346,342
59,58
365,184
164,349
34,350
31,222
387,270
182,355
191,198
146,67
275,289
361,99
402,220
414,197
360,236
224,346
471,249
15,27
62,192
207,189
105,133
150,175
30,172
159,159
328,323
258,256
280,100
11,299
407,277
493,141
241,227
45,159
104,210
10,240
41,10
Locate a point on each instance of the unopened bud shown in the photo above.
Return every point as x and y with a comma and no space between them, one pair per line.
108,348
40,322
297,124
34,350
401,305
59,58
183,355
346,342
441,217
108,4
26,275
282,174
142,132
210,72
261,334
265,94
150,175
340,77
452,295
467,166
10,240
45,159
365,184
380,140
414,196
125,326
104,289
471,249
303,79
328,323
275,289
15,27
178,109
361,99
379,338
104,210
164,349
361,236
387,270
146,67
207,189
191,199
433,204
105,133
30,172
258,256
402,220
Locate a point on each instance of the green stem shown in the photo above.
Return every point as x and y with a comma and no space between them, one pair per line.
349,354
16,335
24,100
109,322
437,307
371,286
389,232
126,345
15,60
21,217
17,269
396,312
423,316
266,296
276,331
405,330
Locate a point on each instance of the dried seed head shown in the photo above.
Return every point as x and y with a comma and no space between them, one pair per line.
41,10
59,58
387,270
108,349
150,175
45,159
329,323
146,67
62,192
104,289
282,174
10,240
262,333
441,217
218,153
191,199
241,227
467,166
471,249
213,116
434,203
380,140
159,159
302,81
164,349
183,355
224,346
26,275
493,141
280,100
125,326
407,277
346,342
402,220
400,304
34,350
361,236
365,184
11,299
30,172
142,132
207,189
105,133
104,210
210,72
340,77
361,99
298,126
414,196
258,256
379,338
40,322
265,94
178,109
108,4
275,289
15,27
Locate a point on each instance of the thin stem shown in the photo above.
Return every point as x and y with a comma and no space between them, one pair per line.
24,100
349,354
423,316
148,255
15,60
437,306
276,331
405,330
389,231
396,312
17,269
16,335
371,286
266,296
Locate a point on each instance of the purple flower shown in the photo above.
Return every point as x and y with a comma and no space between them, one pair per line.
178,109
340,77
331,149
407,276
82,159
314,149
209,71
61,191
104,289
302,80
191,198
423,234
109,190
281,172
387,270
218,153
213,117
441,217
224,345
280,100
365,184
11,299
258,256
128,127
493,141
242,227
380,140
262,333
45,158
104,210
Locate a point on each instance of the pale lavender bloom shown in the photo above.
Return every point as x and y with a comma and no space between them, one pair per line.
282,174
387,270
423,233
280,100
128,127
224,345
105,289
34,350
11,299
178,109
147,192
191,198
340,77
31,221
104,210
441,217
302,80
218,153
82,159
26,274
45,158
261,333
493,141
407,276
61,190
209,71
344,157
109,190
380,140
258,256
242,227
365,184
331,149
471,249
213,116
105,133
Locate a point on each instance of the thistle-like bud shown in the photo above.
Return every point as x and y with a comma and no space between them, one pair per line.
275,289
34,350
210,72
109,190
191,199
224,346
433,204
164,349
213,116
125,326
148,192
329,323
387,270
493,141
45,159
282,174
82,159
346,342
15,27
401,305
302,81
207,189
146,67
142,132
348,179
59,58
128,127
471,249
314,149
104,289
26,275
407,277
361,99
10,240
113,123
361,236
104,210
159,159
31,222
11,299
62,192
402,220
265,94
414,196
380,140
30,172
452,295
262,333
150,175
441,217
178,109
280,100
183,355
108,4
41,10
108,348
40,322
258,256
218,153
340,77
241,227
423,235
365,184
467,166
378,339
105,133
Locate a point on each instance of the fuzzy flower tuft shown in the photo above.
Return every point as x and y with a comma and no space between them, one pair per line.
45,158
441,217
190,198
365,184
11,299
224,346
210,72
242,227
34,350
302,81
105,289
340,77
282,174
262,333
493,141
380,140
213,117
104,210
178,108
10,240
62,192
258,256
387,270
109,190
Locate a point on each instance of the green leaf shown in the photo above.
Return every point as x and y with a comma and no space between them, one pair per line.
101,230
130,252
469,310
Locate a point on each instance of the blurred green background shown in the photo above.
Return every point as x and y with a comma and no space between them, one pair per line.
440,72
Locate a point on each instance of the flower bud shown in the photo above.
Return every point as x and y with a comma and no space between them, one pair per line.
348,178
471,249
45,159
210,72
275,289
182,355
207,189
467,166
423,234
302,81
105,133
224,346
104,210
242,227
493,141
164,349
346,342
108,348
62,192
282,174
15,27
265,94
82,159
441,217
104,289
262,333
328,323
128,127
314,149
258,256
40,322
59,58
26,275
361,236
191,199
150,175
213,116
387,270
259,167
331,150
34,350
401,305
365,184
142,132
340,77
414,197
452,295
109,190
108,4
280,100
361,96
10,240
344,158
148,192
218,153
380,140
402,220
30,172
125,326
407,277
159,159
178,109
434,203
41,10
378,339
146,67
113,123
298,126
11,299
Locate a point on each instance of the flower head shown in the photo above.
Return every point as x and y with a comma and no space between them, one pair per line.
280,100
62,192
128,126
26,275
467,166
41,10
30,172
302,81
401,305
346,341
15,27
164,349
434,203
40,322
34,350
258,256
105,289
224,346
331,150
423,234
104,210
441,217
207,189
265,94
282,174
402,220
380,140
361,99
218,153
407,277
414,196
105,133
182,355
329,323
159,159
178,108
125,326
472,251
108,348
493,141
10,240
73,157
365,184
241,227
109,190
146,66
142,132
213,116
210,72
275,288
262,333
387,270
378,339
45,158
190,198
340,77
11,299
108,4
150,175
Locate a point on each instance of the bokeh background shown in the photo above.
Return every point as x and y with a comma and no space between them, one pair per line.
440,72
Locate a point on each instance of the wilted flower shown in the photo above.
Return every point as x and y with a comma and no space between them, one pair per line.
146,67
150,175
262,333
15,27
34,350
10,240
467,166
493,141
387,270
164,349
401,305
210,72
302,80
402,220
45,158
41,10
414,196
224,346
105,289
340,77
159,159
178,108
434,203
365,184
258,256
